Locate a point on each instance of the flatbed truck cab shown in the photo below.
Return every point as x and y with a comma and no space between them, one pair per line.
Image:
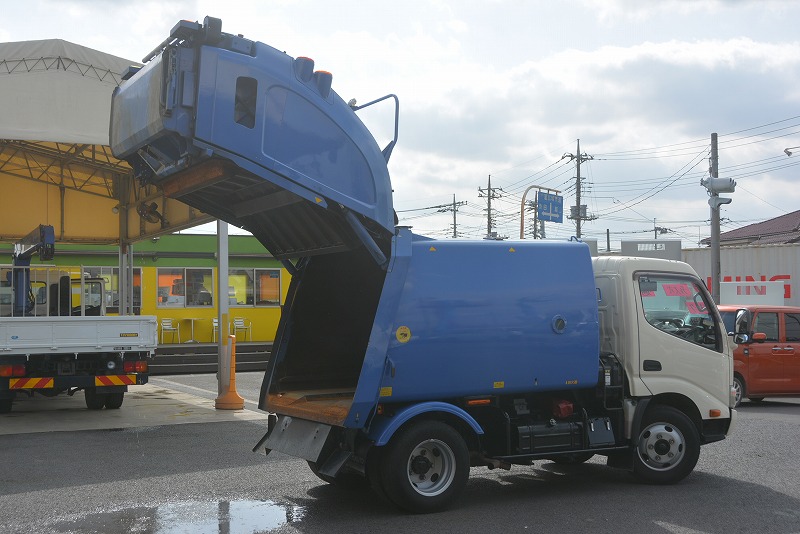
401,361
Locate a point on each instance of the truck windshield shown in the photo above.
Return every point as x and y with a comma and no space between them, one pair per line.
678,306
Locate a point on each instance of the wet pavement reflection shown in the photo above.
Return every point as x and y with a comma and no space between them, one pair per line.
224,517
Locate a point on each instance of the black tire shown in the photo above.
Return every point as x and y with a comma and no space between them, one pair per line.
738,385
114,400
573,459
347,481
94,400
426,467
5,405
755,399
667,448
372,467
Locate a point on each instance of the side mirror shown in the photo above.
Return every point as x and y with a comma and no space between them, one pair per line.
741,338
759,336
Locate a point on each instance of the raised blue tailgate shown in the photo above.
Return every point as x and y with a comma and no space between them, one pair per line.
255,137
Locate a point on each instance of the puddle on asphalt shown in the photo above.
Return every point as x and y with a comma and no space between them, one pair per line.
190,517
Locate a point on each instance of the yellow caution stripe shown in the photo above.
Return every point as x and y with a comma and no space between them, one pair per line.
115,380
31,383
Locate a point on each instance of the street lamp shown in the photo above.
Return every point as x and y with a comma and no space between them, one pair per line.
789,150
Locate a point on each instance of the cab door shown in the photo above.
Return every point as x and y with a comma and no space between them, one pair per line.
767,374
791,352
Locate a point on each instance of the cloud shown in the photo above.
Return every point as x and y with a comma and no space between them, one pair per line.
507,87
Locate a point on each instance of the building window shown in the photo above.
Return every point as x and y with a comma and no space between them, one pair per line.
254,287
268,287
181,288
240,287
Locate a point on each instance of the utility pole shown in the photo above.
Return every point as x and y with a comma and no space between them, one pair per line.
455,226
454,208
579,211
658,230
489,193
715,185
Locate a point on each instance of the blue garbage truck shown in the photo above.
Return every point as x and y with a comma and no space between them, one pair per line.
400,361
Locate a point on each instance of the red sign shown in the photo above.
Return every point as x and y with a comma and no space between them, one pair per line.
677,290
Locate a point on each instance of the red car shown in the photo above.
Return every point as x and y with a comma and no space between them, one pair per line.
768,363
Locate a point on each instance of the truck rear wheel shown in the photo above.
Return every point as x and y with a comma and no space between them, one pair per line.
5,405
668,446
426,467
114,400
94,400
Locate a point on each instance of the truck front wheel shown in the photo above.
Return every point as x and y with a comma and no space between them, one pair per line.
738,385
426,467
668,446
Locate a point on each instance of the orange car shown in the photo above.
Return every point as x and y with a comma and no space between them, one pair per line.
767,364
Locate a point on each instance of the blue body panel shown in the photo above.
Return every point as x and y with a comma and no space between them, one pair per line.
485,317
313,139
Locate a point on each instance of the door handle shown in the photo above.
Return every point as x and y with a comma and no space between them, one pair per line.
651,365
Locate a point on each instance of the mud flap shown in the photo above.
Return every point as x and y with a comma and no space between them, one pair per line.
335,462
296,437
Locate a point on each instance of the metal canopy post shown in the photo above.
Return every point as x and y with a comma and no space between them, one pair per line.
223,356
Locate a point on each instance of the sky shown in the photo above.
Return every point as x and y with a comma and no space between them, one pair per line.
505,89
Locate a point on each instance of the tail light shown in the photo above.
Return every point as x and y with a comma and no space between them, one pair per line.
10,370
138,366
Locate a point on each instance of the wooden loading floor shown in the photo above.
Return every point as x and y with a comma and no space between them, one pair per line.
329,406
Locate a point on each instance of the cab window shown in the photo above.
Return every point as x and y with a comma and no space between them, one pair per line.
767,323
792,321
680,307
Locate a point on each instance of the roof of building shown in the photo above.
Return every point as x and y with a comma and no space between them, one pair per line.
54,90
780,230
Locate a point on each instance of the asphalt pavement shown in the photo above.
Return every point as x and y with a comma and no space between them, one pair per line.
160,402
168,462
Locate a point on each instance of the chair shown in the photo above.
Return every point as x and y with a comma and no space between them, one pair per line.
167,325
214,329
240,323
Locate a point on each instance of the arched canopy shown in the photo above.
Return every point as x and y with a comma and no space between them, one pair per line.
55,164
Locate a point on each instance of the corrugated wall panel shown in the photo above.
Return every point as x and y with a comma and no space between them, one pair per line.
753,263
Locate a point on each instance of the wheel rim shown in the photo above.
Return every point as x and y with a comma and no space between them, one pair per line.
431,467
661,446
737,386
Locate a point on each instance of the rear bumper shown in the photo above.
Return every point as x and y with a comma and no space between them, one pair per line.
61,383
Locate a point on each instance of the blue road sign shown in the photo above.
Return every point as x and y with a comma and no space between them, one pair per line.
550,207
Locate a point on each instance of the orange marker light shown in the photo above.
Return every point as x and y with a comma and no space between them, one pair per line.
714,413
